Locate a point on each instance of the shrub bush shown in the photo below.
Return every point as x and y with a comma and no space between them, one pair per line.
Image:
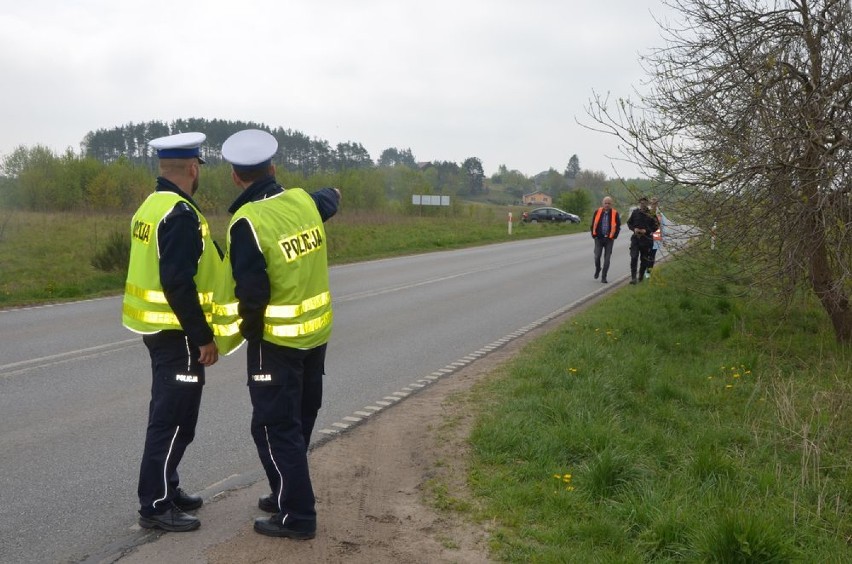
115,255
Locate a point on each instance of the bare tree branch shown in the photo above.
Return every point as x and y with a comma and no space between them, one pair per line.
749,109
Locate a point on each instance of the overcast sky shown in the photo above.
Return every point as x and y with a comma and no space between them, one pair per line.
501,80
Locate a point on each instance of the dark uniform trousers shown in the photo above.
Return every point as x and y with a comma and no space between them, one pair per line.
178,379
640,251
603,245
285,385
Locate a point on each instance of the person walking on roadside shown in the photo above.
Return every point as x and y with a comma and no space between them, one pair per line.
167,298
606,225
657,235
276,296
643,224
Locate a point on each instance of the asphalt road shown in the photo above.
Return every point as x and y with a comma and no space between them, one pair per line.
74,384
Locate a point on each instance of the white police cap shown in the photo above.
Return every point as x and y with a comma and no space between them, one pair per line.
179,146
249,148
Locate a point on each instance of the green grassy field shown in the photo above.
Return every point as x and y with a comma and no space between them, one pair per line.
665,426
48,256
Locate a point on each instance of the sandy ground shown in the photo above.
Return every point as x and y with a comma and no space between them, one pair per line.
372,485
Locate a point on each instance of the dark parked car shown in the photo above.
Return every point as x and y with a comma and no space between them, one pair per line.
554,215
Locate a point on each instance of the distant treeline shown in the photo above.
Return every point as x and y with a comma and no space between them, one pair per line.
116,170
296,151
36,179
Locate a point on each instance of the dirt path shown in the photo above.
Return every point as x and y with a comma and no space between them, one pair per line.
369,485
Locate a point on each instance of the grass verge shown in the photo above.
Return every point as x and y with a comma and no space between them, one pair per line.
664,426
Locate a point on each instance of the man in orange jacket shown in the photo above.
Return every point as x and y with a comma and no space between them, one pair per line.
606,225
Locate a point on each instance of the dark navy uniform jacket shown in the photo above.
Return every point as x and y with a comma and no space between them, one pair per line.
247,262
179,235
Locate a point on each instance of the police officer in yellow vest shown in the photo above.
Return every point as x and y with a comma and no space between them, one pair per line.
168,299
278,300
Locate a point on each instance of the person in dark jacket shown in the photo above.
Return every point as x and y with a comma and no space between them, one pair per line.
606,225
277,252
642,223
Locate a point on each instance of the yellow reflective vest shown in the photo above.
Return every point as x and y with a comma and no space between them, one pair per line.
290,233
145,307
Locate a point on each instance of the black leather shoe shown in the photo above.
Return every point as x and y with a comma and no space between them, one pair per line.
268,503
187,502
278,526
604,280
597,273
173,520
633,281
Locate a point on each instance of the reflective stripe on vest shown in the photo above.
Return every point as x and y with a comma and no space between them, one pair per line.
158,297
231,310
291,311
299,329
597,220
156,318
